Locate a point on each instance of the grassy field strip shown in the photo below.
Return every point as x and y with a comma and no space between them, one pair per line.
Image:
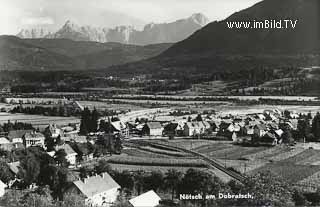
226,152
291,173
156,161
211,148
244,151
268,152
164,152
285,155
139,153
243,166
303,157
187,144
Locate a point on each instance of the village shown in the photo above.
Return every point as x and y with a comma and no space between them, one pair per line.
99,141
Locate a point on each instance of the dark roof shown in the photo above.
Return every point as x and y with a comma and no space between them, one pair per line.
154,125
269,135
18,133
66,148
171,126
261,126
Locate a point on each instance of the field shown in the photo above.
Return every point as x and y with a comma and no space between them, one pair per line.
296,165
38,120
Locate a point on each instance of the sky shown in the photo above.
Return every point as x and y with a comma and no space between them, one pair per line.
52,14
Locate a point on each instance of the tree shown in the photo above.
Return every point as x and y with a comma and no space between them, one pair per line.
304,129
299,199
103,166
30,169
287,136
125,180
49,143
118,145
154,181
316,126
93,123
138,181
199,117
5,173
60,158
268,190
172,180
85,121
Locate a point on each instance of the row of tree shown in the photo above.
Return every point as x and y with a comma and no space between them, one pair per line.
47,111
9,126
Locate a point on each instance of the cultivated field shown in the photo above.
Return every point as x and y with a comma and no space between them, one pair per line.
295,164
38,120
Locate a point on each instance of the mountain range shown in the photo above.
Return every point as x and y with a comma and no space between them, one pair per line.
216,47
65,54
151,34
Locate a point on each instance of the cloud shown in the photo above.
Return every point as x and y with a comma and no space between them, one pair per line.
19,14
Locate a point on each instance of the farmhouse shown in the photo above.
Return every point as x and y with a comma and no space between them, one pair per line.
121,128
196,128
5,144
33,139
16,136
152,129
260,130
4,141
99,190
53,131
248,130
148,199
71,154
268,139
174,129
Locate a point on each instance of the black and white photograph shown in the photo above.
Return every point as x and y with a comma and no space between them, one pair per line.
159,103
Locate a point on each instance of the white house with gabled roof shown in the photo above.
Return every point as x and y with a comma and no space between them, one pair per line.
98,190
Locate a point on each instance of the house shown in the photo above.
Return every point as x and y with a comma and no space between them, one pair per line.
268,139
2,188
196,128
260,116
174,129
227,128
98,190
260,130
278,133
248,130
14,168
34,139
148,199
16,136
53,131
83,150
273,126
152,129
121,128
3,142
71,154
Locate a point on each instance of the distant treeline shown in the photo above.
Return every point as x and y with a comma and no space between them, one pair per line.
9,126
47,111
